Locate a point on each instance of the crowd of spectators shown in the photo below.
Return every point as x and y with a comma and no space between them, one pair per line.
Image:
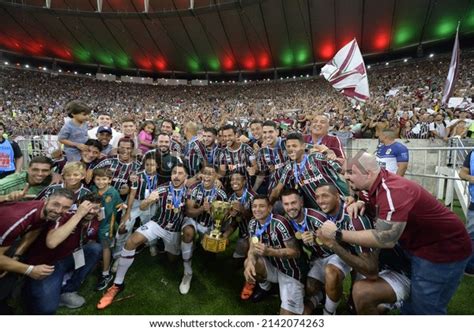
404,96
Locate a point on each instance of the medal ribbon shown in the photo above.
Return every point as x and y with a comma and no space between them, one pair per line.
151,183
243,198
210,197
264,227
176,197
299,168
300,228
274,151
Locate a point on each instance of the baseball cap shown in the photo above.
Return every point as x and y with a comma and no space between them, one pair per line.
104,129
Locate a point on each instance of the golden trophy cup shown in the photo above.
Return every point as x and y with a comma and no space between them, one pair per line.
213,242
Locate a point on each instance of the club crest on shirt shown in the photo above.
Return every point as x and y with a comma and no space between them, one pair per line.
274,236
108,199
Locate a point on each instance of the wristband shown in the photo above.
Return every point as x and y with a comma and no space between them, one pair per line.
29,270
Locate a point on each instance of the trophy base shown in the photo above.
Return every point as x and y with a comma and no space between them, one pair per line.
214,245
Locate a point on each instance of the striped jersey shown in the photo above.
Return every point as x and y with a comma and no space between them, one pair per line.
276,234
344,222
237,160
145,185
315,169
91,165
79,193
175,147
312,221
271,161
195,156
198,194
213,156
246,201
122,171
169,199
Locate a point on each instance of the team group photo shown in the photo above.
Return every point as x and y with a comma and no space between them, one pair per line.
251,157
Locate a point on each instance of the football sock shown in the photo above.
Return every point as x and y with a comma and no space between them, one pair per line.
125,261
330,306
187,254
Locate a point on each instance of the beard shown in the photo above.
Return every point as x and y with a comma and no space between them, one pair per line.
50,215
296,214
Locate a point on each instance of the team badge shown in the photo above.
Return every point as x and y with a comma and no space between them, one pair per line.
108,199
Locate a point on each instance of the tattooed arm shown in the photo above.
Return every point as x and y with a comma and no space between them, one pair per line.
291,250
385,234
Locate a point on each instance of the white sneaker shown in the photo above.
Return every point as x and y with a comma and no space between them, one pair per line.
115,266
185,283
71,300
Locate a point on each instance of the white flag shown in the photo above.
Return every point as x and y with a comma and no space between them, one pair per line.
453,70
346,72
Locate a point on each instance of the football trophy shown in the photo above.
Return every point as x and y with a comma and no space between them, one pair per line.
213,242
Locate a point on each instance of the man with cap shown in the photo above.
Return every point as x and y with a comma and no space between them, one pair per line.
104,136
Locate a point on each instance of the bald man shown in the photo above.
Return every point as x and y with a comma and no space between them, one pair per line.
432,235
194,152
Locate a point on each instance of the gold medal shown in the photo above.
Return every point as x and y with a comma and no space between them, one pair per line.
298,235
176,210
318,241
169,206
255,240
296,186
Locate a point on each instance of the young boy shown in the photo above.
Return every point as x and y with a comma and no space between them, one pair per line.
91,157
73,134
111,204
73,175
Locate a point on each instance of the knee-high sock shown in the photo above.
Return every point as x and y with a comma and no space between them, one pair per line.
187,254
125,261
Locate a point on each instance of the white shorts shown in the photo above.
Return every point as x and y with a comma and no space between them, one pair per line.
317,267
145,215
399,283
172,240
199,228
291,290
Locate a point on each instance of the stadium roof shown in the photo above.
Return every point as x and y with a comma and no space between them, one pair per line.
222,35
